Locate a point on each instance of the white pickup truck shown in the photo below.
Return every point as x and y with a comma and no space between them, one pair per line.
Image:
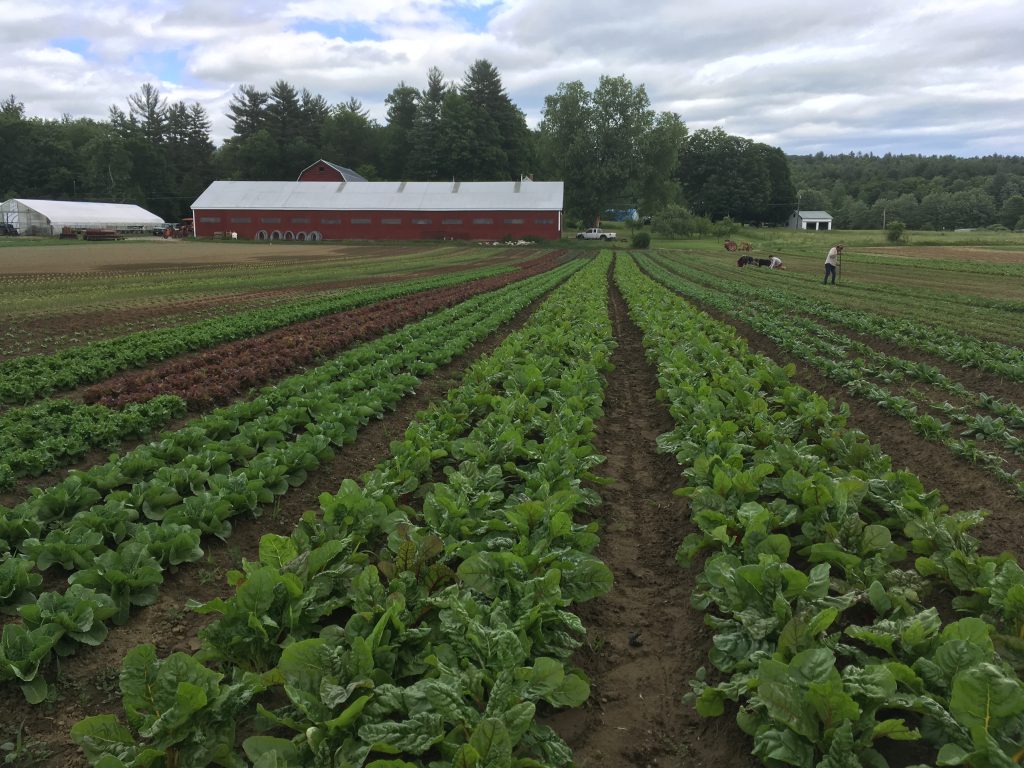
595,233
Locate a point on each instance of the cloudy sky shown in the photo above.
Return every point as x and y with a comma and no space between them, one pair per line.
917,76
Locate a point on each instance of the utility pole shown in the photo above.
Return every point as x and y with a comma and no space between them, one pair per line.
883,218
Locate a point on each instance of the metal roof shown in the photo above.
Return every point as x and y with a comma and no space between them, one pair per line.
70,212
814,214
522,195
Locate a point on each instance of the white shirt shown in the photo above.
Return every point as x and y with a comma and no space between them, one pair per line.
776,262
832,256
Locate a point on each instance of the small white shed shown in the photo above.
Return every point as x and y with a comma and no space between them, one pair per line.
811,220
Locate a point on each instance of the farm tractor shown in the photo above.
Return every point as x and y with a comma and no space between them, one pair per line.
177,231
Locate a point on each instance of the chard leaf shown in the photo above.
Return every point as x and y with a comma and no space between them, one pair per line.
102,735
984,696
491,741
277,551
415,735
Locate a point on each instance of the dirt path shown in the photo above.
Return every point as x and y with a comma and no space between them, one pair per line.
645,641
87,683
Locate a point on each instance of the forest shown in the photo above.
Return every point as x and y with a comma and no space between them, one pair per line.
608,145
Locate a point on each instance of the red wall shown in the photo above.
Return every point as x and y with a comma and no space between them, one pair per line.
381,225
321,172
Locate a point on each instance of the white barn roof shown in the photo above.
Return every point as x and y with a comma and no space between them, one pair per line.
814,214
522,195
69,213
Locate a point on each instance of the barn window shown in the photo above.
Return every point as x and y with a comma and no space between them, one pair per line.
330,221
270,220
422,221
241,219
543,221
361,221
390,221
483,221
300,219
451,221
209,219
513,221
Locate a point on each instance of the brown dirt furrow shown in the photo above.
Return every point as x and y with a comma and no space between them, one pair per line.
92,324
87,682
973,379
963,485
645,641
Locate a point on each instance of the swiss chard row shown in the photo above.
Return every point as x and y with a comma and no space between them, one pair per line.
829,351
946,343
420,617
821,564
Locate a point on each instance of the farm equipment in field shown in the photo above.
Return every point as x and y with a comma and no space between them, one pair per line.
101,234
731,246
177,231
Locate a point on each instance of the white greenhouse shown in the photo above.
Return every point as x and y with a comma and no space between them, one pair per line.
50,217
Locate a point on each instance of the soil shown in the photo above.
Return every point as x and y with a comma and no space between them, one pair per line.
87,683
645,642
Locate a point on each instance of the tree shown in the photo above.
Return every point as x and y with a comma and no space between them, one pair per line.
608,146
247,111
1011,211
427,153
396,139
724,175
894,231
485,131
350,136
674,221
149,109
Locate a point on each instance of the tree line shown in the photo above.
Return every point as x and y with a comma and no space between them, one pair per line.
608,145
865,191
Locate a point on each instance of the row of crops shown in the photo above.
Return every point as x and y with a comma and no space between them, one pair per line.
985,429
424,614
116,527
270,343
824,569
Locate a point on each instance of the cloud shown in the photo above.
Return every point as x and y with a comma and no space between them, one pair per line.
924,76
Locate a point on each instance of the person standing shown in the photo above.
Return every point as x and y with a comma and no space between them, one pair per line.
831,262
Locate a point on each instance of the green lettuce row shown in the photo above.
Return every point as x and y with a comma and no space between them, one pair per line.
822,636
38,438
26,378
130,572
420,618
826,350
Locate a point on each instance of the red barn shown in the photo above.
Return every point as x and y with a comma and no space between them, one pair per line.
323,170
379,210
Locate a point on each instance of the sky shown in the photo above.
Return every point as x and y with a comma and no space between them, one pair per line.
929,77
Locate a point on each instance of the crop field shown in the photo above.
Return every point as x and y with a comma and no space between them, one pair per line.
457,505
